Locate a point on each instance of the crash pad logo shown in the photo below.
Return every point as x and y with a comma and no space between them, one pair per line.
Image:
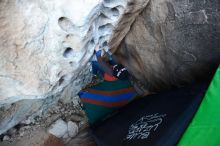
144,126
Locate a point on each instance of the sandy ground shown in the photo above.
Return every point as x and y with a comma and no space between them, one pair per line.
36,138
41,138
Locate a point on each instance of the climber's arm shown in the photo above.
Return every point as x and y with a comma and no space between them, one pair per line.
103,64
113,57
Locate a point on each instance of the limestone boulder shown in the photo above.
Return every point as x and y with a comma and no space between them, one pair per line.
44,44
45,48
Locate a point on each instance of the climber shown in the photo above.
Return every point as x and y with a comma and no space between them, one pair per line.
101,100
111,70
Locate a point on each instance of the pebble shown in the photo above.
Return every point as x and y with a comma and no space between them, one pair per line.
76,118
76,100
6,138
27,122
21,133
72,129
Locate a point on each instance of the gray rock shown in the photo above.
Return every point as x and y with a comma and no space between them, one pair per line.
72,129
58,129
27,122
21,133
6,138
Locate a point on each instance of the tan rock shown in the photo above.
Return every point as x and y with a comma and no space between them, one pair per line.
173,43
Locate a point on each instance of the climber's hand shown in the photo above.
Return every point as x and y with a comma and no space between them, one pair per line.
98,53
109,53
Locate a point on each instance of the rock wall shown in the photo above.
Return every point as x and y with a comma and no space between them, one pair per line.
42,46
45,48
42,58
173,43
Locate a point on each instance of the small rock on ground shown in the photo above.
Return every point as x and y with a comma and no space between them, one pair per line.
72,129
58,129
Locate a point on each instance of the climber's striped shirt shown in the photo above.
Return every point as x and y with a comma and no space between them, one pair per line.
106,97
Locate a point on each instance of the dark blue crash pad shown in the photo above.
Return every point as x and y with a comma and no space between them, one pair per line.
155,120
